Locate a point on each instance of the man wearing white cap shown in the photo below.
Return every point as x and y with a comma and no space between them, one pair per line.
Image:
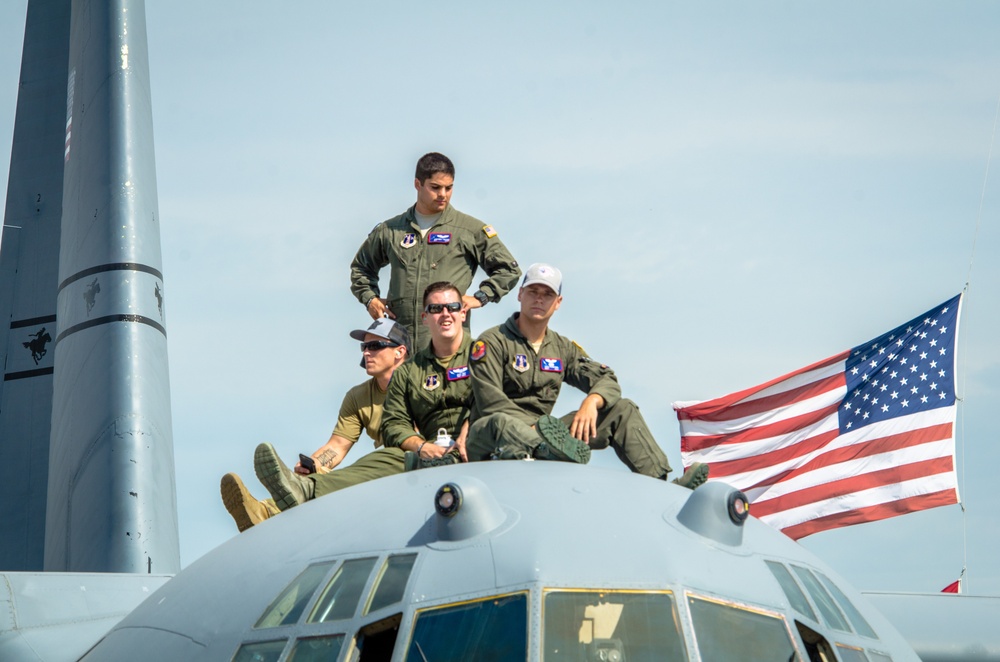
384,347
517,371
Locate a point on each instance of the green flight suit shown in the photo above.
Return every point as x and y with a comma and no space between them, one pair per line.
430,394
453,249
514,386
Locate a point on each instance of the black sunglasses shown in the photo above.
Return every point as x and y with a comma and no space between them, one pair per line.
376,345
435,308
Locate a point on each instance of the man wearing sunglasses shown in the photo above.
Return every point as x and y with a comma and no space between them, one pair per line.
433,392
518,369
430,393
431,241
384,347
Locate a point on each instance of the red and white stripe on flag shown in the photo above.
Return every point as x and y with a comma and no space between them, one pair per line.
861,436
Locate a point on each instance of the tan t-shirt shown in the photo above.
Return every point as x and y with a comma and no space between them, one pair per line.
361,410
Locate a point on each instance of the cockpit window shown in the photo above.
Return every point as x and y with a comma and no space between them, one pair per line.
827,607
316,649
611,625
288,606
494,629
341,596
792,591
879,657
260,651
857,620
727,631
851,654
391,581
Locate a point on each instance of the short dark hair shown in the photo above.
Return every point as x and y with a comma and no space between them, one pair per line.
440,286
432,163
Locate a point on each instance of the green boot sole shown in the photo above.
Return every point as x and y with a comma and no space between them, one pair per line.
286,487
559,444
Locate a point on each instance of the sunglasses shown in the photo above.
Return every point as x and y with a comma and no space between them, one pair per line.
376,345
435,308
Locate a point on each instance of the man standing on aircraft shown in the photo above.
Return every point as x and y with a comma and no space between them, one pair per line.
430,393
517,371
431,241
384,348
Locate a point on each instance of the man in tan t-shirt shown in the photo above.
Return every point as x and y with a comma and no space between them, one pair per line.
385,346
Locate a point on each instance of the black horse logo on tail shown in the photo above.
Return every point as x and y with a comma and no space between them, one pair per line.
37,344
90,295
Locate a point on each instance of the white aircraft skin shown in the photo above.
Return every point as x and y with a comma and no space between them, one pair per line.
535,533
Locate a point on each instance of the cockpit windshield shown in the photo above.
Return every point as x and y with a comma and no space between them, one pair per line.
611,625
727,631
492,630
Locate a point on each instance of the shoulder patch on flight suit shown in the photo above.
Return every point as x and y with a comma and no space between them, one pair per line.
409,239
431,382
550,365
490,232
478,350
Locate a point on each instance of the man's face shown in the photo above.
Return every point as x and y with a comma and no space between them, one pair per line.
445,325
538,302
434,194
380,362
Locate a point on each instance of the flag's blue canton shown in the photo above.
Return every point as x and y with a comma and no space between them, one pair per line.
908,370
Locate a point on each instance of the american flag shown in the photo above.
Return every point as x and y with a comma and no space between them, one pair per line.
864,435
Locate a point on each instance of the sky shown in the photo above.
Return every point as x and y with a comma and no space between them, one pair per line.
732,190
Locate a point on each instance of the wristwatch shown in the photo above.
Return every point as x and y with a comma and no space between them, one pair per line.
481,297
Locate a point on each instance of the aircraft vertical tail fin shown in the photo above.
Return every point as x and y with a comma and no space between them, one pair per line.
112,503
29,263
86,449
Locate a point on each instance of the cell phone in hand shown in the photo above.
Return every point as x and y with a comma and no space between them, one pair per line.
308,463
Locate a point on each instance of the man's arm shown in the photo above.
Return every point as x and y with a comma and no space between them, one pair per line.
329,455
463,435
397,420
345,433
368,261
584,425
425,449
597,381
499,265
487,379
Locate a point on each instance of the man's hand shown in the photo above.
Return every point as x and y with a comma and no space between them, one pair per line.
430,450
379,308
463,435
584,425
468,303
327,456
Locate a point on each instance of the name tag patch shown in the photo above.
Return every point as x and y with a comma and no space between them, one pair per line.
439,238
550,365
455,374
